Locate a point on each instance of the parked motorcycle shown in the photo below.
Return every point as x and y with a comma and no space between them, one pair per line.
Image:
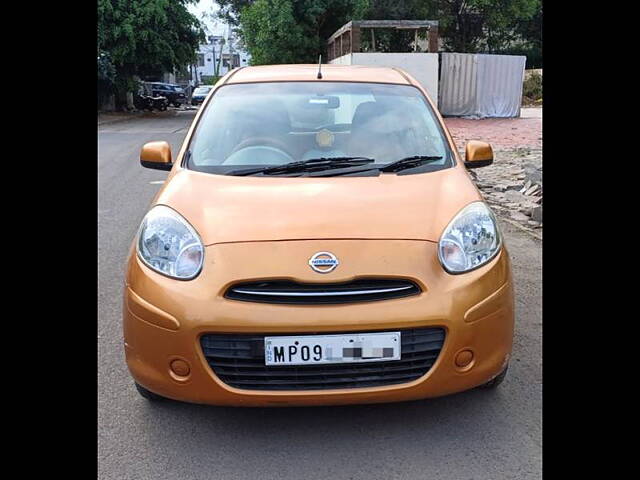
146,102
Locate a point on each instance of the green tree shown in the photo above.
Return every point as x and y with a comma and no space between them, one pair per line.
391,40
279,31
106,77
271,33
481,25
230,10
530,33
286,31
490,26
147,37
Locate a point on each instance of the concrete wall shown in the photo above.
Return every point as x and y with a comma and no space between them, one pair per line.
343,60
422,66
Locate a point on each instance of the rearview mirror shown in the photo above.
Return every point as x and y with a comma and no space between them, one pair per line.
156,155
478,154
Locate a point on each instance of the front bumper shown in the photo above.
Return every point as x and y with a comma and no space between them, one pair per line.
163,318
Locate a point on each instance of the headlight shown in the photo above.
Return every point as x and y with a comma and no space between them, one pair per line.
169,245
470,240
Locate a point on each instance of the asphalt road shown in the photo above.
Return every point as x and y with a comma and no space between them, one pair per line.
472,435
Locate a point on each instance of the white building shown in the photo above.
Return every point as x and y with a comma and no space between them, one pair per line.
209,55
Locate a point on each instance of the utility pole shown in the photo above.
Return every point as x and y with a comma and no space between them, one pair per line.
216,62
217,66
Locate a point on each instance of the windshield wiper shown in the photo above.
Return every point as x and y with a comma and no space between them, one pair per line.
310,165
409,162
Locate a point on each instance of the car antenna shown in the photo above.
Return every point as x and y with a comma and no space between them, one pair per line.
320,68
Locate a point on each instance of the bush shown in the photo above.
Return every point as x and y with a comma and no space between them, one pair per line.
532,88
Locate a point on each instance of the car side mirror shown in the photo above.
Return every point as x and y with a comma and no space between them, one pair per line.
156,155
477,154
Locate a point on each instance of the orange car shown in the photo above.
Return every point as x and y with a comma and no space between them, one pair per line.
318,241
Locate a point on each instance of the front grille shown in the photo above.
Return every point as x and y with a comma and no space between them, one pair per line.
238,360
288,292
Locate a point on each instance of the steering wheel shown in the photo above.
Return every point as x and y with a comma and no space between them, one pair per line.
263,142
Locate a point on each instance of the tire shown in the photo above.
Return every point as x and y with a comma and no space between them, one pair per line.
494,382
149,395
177,104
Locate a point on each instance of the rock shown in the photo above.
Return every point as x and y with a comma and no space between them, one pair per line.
501,187
521,217
533,223
525,209
533,173
536,213
514,196
521,176
513,186
531,190
529,204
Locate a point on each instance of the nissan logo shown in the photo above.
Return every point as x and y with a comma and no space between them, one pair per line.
323,262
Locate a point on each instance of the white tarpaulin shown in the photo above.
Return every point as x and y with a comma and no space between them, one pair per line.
481,85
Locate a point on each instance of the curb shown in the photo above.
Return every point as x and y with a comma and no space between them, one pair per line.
132,116
116,120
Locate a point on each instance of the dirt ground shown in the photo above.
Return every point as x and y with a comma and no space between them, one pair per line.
513,184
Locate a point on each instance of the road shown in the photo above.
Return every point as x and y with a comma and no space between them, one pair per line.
472,435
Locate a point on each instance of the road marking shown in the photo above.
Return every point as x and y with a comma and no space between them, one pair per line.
157,182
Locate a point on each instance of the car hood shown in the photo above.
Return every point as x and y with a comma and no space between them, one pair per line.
242,209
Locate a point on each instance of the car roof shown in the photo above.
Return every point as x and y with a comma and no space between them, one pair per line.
302,72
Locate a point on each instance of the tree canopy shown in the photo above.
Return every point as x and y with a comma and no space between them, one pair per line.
146,37
288,31
483,25
282,31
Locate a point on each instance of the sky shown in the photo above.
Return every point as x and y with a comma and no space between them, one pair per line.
208,6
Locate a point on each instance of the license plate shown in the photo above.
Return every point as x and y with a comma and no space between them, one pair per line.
343,348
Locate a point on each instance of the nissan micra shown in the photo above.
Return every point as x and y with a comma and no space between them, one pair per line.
318,241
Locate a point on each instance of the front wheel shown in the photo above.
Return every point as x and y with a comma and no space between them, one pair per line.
149,395
495,381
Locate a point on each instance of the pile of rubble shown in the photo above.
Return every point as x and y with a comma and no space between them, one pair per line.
512,185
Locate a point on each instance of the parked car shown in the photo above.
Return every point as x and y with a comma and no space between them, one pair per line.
200,93
173,93
318,241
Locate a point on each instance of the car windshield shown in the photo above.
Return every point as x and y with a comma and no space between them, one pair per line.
201,90
270,124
